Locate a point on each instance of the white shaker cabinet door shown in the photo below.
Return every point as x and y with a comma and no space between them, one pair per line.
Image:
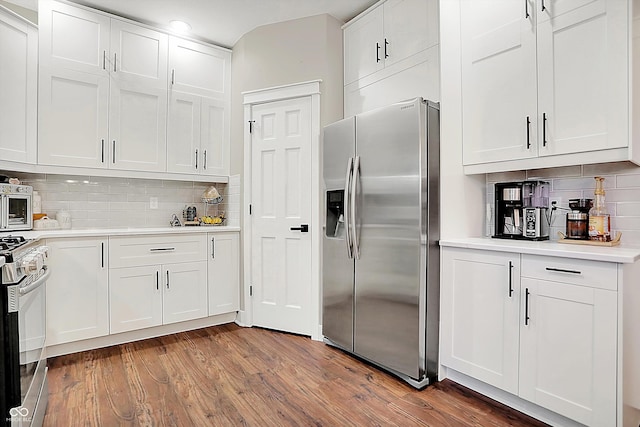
137,127
568,350
135,298
185,291
214,138
73,38
199,69
479,304
364,46
410,26
78,290
583,79
73,119
498,81
224,273
183,132
18,86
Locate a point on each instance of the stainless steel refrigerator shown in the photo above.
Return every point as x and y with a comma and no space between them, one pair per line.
380,267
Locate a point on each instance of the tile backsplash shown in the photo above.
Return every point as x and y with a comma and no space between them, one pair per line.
622,187
105,202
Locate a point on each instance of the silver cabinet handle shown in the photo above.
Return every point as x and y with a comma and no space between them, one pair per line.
104,60
213,248
173,76
204,164
510,278
102,150
196,158
162,249
167,279
114,151
115,58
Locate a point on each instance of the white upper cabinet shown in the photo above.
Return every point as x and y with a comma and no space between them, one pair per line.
199,106
18,86
387,34
117,95
545,83
138,98
499,110
199,69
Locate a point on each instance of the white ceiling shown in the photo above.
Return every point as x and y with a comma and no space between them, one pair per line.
222,22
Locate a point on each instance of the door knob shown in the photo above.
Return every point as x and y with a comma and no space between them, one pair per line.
303,228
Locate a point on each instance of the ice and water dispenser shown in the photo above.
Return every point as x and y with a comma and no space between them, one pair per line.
335,213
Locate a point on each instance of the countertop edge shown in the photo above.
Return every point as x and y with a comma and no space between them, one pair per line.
98,232
622,254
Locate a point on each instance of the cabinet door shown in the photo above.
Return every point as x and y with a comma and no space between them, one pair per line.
214,138
410,26
184,132
73,38
18,86
73,114
185,291
582,79
137,127
78,290
498,81
568,354
135,298
364,46
480,302
224,273
138,55
199,69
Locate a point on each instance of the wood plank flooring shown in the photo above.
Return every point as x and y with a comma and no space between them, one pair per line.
232,376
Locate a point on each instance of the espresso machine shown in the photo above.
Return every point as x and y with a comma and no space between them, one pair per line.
522,210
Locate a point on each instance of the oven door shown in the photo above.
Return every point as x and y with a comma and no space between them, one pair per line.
32,362
16,212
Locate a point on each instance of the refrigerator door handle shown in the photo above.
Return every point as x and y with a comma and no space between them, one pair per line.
347,195
352,207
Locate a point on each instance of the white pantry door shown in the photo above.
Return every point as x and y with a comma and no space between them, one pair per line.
281,200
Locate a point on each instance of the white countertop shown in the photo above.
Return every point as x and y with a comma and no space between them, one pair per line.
96,232
620,254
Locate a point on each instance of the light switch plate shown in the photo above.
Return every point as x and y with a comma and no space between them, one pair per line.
153,203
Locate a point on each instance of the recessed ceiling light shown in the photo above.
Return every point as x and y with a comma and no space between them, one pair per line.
180,26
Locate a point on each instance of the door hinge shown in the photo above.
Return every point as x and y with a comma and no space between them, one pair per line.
250,291
251,122
249,208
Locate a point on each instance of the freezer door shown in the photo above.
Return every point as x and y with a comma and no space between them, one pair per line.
390,290
337,264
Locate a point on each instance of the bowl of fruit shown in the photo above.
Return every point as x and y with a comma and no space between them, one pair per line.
212,220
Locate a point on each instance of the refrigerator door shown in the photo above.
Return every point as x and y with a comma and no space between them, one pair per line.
337,262
390,272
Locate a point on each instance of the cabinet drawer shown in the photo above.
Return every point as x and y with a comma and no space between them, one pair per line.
594,274
149,250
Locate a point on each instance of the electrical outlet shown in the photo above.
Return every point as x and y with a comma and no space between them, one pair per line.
153,203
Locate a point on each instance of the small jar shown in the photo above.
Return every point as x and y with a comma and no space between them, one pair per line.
577,225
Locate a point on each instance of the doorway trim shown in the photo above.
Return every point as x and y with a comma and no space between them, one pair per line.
250,98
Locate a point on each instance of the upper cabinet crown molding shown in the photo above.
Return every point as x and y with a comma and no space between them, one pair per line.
545,85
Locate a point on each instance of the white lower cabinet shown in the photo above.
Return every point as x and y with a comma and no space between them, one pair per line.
146,296
224,273
78,290
542,328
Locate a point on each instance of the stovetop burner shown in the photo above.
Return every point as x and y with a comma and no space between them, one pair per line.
9,243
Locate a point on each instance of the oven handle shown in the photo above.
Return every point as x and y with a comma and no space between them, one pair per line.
40,281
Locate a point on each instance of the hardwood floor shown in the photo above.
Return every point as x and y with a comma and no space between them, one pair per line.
232,376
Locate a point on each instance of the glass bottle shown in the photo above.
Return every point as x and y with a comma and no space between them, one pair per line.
599,219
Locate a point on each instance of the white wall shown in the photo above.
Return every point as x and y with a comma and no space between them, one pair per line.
284,53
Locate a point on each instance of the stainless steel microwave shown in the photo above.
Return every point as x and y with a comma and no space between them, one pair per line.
16,212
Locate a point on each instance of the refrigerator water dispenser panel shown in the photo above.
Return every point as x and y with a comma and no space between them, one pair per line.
335,213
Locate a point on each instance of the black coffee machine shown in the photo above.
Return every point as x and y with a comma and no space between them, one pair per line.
522,210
